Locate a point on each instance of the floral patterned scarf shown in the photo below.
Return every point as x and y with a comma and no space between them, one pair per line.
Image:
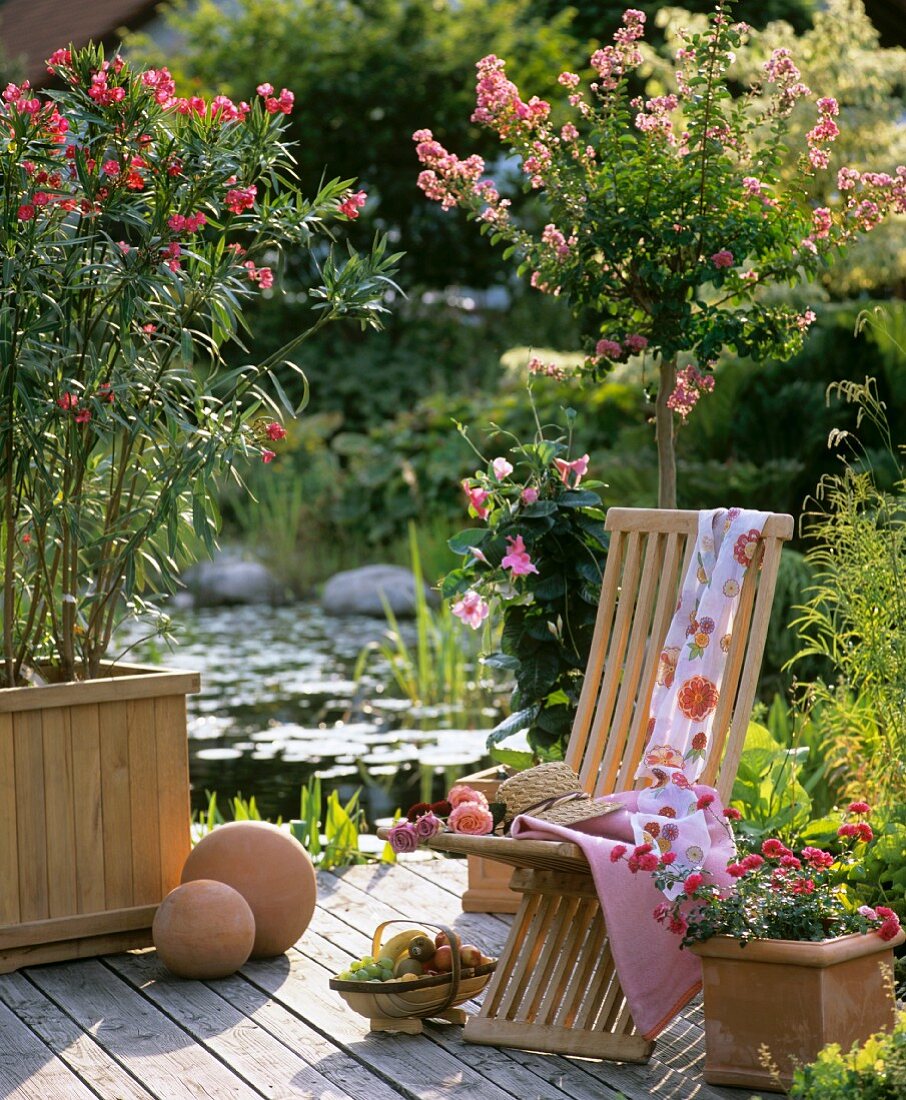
687,688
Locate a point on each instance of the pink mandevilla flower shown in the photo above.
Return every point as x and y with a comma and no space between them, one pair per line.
472,609
518,560
501,468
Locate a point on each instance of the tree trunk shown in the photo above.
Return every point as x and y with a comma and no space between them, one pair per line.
666,450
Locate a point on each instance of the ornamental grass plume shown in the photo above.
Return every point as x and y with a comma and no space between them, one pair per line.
667,217
778,892
135,223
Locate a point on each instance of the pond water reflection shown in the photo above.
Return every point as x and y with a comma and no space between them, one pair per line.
278,705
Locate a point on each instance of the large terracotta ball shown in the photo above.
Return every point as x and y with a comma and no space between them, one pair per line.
203,929
271,870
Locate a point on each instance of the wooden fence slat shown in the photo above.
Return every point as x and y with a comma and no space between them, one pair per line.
174,813
143,797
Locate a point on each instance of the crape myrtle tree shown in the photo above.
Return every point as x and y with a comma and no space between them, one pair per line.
669,218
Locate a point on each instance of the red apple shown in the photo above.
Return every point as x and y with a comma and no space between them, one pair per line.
443,958
442,939
470,955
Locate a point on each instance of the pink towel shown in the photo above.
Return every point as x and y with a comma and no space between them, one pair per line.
656,976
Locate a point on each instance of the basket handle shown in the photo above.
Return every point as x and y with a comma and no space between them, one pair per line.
453,940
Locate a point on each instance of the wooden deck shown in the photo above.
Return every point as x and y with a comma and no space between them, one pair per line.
122,1028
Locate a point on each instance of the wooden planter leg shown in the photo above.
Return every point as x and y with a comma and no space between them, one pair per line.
555,988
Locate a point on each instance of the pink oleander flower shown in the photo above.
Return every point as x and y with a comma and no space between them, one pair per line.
472,609
267,456
462,792
501,468
240,198
471,818
403,837
427,825
723,258
351,205
518,560
858,808
275,431
26,212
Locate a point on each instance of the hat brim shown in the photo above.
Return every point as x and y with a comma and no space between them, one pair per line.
571,813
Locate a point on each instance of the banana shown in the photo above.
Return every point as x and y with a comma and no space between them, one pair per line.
398,945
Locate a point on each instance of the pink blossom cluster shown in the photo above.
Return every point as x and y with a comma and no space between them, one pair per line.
162,85
498,103
352,204
282,104
100,90
690,385
240,198
824,133
550,370
781,70
655,118
445,176
632,344
805,320
723,258
554,239
191,223
263,276
612,63
537,163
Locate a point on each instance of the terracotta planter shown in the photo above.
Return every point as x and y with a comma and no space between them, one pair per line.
488,890
790,998
94,812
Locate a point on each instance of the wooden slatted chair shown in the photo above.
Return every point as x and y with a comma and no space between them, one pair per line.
555,988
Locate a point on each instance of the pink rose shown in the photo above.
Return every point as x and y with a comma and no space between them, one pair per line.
462,793
403,837
471,818
427,825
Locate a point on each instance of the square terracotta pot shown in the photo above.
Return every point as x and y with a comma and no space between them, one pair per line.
488,890
783,1000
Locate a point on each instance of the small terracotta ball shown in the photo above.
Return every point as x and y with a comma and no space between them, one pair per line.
271,870
203,929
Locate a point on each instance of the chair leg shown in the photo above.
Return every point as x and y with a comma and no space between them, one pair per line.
555,988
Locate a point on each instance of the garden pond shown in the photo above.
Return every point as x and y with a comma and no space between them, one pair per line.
279,705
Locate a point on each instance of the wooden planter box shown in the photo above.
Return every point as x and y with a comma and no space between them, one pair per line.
790,998
94,812
488,890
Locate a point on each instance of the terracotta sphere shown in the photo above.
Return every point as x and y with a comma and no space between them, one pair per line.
203,929
271,870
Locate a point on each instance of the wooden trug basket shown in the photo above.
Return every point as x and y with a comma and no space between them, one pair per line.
401,1006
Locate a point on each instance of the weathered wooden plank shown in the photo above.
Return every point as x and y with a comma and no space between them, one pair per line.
28,1070
680,1079
249,1050
89,838
527,1076
9,855
173,788
117,816
125,682
69,1042
145,811
418,1066
30,820
59,812
151,1047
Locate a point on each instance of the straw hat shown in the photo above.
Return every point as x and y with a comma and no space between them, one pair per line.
552,792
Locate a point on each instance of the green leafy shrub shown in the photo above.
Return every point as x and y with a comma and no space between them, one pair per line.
876,1070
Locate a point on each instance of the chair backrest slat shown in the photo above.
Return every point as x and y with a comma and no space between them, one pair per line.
639,594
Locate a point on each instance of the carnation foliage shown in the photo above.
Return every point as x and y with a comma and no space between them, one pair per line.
135,224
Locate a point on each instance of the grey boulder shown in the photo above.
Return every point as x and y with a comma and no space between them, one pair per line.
359,591
229,580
